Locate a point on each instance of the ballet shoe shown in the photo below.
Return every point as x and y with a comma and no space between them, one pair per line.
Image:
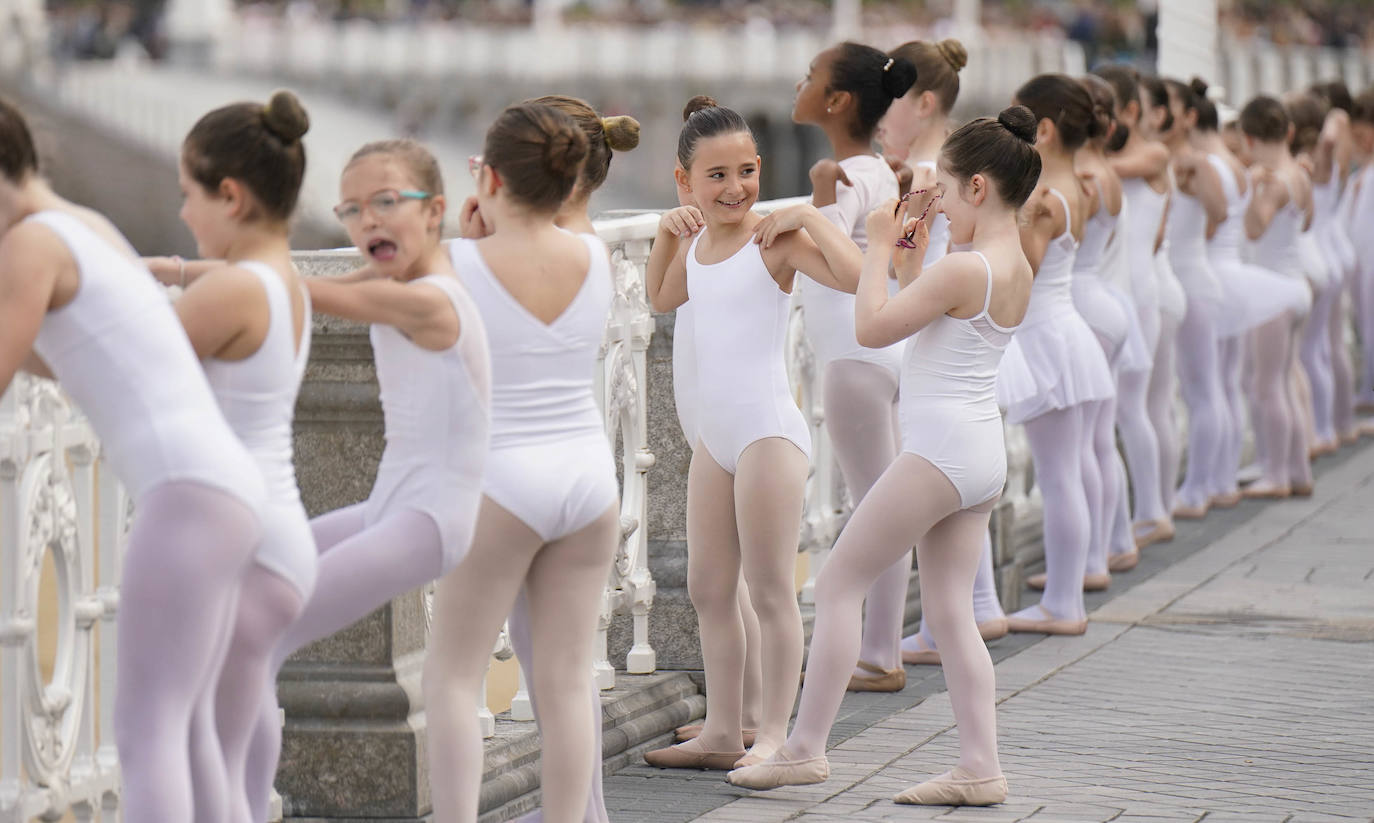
1266,492
1123,562
1229,500
1323,449
993,629
676,757
685,733
1350,438
922,656
881,680
1301,490
1159,531
1185,512
781,770
954,789
1049,624
1092,581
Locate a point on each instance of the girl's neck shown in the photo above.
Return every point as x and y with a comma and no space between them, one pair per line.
573,217
257,241
34,196
434,260
926,147
1056,162
1177,140
1270,155
993,229
730,233
844,145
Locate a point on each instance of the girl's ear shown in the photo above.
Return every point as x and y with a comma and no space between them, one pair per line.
438,206
838,101
235,197
926,104
490,181
684,183
978,188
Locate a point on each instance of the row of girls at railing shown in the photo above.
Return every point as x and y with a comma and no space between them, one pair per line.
1030,251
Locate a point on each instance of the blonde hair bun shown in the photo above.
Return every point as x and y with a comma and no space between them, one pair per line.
954,53
622,132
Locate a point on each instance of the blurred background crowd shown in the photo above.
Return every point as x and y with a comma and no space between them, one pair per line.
1108,29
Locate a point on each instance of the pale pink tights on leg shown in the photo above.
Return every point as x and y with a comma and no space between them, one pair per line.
986,605
913,502
1276,414
187,552
1059,448
361,568
1163,383
563,581
861,418
1141,444
750,521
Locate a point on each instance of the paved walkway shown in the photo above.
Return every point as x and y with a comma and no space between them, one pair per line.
1236,684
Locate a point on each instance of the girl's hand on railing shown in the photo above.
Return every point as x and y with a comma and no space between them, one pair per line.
683,221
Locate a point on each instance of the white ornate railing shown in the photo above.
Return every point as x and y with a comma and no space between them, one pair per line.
57,506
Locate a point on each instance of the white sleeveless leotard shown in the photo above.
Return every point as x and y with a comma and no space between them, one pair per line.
1143,210
550,464
738,342
1277,250
1361,218
437,410
1054,362
1187,233
948,403
685,373
1251,295
827,313
120,352
258,397
1326,220
1107,312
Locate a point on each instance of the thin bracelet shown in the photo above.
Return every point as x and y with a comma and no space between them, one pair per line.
181,267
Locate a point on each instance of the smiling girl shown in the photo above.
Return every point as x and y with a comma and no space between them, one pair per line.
748,473
938,493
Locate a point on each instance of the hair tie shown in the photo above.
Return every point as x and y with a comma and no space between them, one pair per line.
888,64
606,130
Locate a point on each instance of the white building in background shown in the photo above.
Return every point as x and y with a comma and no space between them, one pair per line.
1188,39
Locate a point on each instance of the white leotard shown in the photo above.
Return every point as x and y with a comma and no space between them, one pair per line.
1054,361
258,397
1327,201
1360,216
1144,209
551,464
437,410
685,373
1278,250
827,313
1187,232
948,403
1108,313
120,352
738,341
1251,295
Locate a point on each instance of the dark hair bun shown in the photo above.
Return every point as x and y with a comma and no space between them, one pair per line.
696,104
564,151
1199,87
899,75
285,117
622,133
954,53
1019,121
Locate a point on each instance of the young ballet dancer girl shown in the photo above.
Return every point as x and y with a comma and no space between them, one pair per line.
248,319
1280,206
915,127
76,302
549,521
1142,165
605,135
938,493
748,472
847,90
433,370
1252,296
1055,379
1198,204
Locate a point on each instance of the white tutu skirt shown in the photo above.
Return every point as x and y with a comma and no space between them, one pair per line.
1052,365
1253,295
1112,316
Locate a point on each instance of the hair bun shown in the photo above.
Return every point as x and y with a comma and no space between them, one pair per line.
564,151
1199,87
622,133
696,104
285,117
954,53
899,75
1019,121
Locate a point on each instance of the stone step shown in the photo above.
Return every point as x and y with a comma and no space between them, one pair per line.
640,713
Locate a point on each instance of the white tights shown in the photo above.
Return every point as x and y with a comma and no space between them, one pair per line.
1315,353
361,568
986,605
1232,353
912,503
187,552
1163,383
563,581
1141,444
1280,441
1065,464
523,644
749,522
1342,373
1112,521
1208,417
861,418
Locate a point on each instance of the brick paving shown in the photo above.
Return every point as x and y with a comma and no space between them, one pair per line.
1230,678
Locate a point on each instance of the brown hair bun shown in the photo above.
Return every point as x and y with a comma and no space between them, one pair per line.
954,53
698,103
1019,121
285,117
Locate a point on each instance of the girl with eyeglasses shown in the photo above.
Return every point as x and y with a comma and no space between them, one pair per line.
433,369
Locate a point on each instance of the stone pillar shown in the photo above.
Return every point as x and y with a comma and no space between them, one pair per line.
193,28
1188,39
354,744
